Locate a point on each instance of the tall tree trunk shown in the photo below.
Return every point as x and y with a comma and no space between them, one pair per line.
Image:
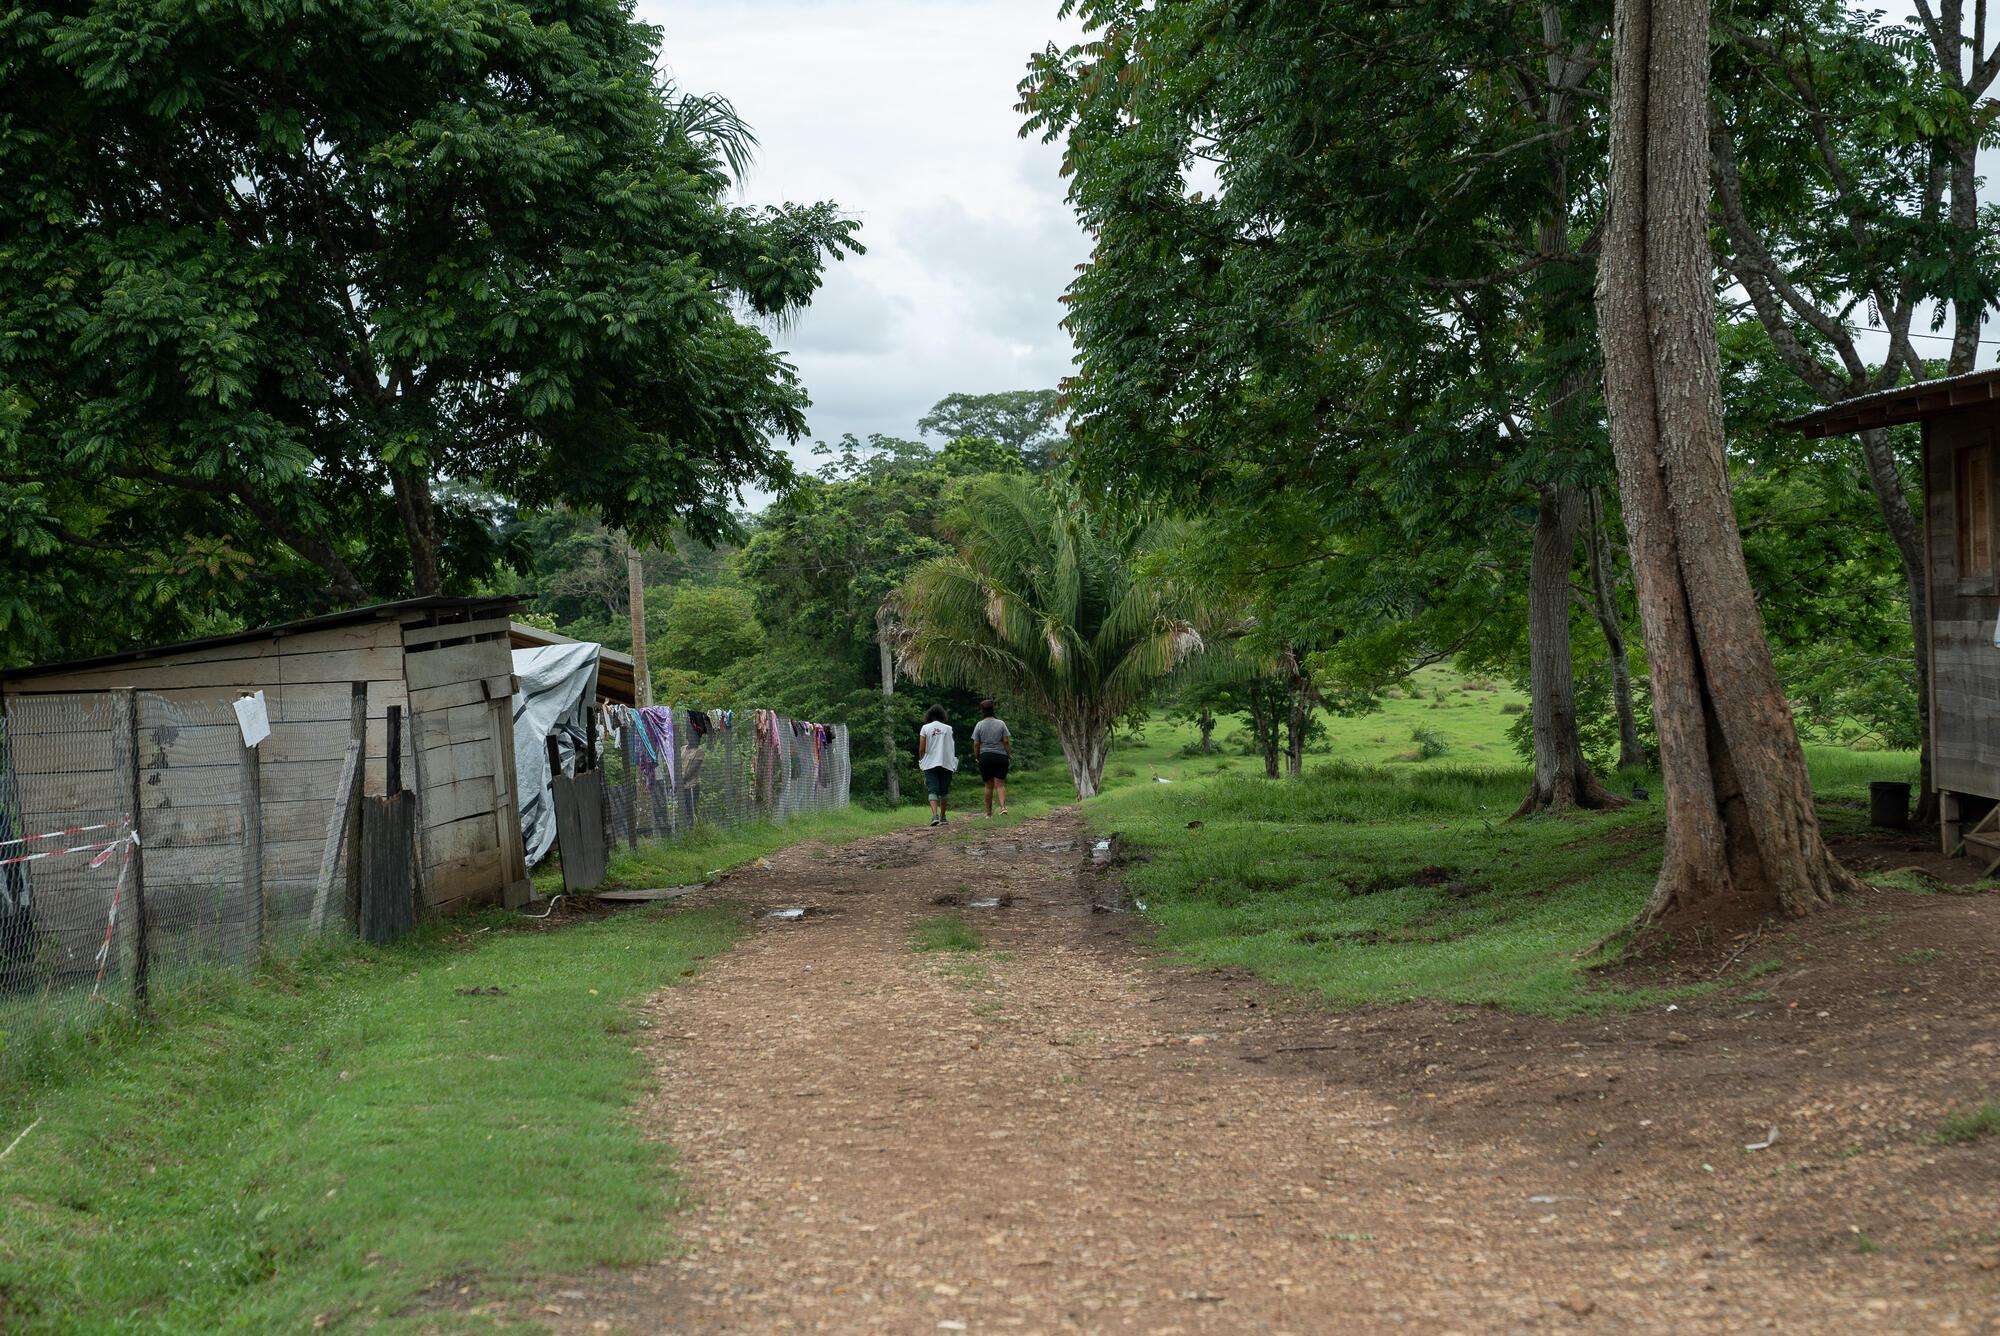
1297,712
418,511
1207,725
1563,778
890,777
1742,836
1894,502
1604,604
1264,729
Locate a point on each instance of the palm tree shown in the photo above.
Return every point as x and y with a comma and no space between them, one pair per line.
1043,605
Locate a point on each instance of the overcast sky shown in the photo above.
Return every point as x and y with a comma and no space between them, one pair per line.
902,112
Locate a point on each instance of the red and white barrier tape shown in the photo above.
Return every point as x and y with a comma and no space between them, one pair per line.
65,833
102,849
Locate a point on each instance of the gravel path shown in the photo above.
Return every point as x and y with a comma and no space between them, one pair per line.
1056,1133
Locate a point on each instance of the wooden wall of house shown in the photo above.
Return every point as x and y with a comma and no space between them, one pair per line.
460,677
1965,666
191,814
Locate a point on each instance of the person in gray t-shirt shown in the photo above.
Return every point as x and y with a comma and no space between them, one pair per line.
994,746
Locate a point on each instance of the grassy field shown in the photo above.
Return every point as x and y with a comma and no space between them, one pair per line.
338,1137
1384,876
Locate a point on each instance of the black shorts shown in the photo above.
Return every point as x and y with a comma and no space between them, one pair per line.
937,781
993,765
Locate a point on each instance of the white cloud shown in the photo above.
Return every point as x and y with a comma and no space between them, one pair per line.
902,112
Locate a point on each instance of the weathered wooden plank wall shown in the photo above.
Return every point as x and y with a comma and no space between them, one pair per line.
460,678
191,791
1965,671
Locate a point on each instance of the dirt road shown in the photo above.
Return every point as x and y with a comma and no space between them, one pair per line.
1059,1133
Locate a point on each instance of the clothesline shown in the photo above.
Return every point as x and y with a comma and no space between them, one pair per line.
655,730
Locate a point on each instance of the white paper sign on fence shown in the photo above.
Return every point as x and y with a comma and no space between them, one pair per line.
253,719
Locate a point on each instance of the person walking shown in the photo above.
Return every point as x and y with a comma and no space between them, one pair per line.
937,757
993,746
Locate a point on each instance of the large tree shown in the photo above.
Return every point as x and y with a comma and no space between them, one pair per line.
1742,837
1029,422
297,273
1344,239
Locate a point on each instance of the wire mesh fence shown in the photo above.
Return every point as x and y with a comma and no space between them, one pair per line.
143,849
668,770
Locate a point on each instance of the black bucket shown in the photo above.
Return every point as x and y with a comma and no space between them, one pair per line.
1889,804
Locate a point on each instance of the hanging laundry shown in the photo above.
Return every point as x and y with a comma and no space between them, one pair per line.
656,744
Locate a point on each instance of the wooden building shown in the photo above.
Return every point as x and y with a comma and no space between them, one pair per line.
443,665
1960,418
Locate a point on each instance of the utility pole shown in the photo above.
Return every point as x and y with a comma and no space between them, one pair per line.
888,703
635,588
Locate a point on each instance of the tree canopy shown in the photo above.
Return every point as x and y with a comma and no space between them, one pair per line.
1028,422
286,294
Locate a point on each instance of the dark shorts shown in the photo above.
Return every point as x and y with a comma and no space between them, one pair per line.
993,765
937,781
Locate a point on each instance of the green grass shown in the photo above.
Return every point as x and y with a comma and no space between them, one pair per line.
1972,1125
343,1132
1384,876
945,932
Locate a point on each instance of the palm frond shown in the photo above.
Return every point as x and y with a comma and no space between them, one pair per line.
1041,603
711,120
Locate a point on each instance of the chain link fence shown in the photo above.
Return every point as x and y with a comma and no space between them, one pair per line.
668,770
143,849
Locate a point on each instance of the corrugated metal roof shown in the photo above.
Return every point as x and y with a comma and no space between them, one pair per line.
1904,403
373,612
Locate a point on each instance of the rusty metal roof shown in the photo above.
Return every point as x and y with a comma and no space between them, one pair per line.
1905,403
492,606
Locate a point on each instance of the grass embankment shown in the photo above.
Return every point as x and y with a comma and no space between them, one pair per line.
1383,876
345,1133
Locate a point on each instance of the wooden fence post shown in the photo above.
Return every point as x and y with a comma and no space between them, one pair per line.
358,726
250,776
414,725
141,948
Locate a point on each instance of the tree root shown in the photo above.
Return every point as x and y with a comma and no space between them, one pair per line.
1586,793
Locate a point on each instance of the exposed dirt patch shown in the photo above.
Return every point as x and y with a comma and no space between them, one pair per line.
1057,1133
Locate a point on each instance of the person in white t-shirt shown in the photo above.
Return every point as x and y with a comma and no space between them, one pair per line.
937,757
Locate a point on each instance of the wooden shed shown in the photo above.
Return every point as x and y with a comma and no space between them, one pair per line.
1960,417
443,664
616,682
